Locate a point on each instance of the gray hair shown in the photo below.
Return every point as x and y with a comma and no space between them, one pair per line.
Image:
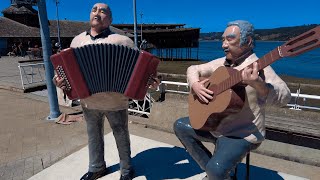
246,29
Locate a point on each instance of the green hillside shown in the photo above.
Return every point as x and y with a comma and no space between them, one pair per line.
276,34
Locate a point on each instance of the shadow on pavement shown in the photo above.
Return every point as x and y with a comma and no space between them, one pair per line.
175,163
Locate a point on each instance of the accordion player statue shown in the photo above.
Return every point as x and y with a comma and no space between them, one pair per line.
96,68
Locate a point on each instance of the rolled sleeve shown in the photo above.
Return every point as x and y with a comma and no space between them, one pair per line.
192,75
279,94
202,70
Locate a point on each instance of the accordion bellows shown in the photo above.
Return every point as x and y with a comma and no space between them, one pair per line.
96,68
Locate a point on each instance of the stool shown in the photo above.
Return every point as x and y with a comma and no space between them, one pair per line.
247,168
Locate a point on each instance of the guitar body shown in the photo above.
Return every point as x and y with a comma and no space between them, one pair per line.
208,116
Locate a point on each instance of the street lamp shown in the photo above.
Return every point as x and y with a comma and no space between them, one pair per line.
58,25
46,48
135,23
141,14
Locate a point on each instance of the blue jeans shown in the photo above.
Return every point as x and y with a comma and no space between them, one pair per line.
229,151
118,121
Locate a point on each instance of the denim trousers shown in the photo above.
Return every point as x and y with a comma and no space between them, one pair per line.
229,151
118,121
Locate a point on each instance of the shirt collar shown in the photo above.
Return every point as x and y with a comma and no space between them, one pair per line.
105,33
239,61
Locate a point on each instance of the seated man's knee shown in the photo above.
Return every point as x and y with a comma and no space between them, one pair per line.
181,125
216,171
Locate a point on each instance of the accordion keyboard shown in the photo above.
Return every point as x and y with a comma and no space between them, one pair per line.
63,75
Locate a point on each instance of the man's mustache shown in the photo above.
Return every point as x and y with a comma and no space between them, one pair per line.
96,17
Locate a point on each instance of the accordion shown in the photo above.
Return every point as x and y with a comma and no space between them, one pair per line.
96,68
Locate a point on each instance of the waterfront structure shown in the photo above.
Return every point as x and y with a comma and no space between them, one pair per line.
20,24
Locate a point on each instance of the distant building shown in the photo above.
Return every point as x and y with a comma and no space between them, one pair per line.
167,41
21,24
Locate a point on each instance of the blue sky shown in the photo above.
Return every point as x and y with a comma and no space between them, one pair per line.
209,15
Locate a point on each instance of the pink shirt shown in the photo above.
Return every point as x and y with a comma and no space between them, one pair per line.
249,123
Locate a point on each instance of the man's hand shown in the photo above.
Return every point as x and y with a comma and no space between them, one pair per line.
59,82
202,92
153,82
251,77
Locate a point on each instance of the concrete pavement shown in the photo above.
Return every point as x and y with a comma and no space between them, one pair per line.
29,144
9,73
151,159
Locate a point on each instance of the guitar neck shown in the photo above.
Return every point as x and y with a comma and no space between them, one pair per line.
267,59
236,78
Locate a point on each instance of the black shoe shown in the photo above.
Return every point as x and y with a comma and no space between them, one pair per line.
94,175
129,176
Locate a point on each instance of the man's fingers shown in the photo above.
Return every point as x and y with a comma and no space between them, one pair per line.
208,91
206,95
60,80
54,79
203,98
255,68
249,71
246,73
60,83
153,82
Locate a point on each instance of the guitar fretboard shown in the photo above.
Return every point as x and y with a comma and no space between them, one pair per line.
236,78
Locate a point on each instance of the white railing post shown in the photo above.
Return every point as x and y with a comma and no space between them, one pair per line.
296,105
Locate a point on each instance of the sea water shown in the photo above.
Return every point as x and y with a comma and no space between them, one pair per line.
306,65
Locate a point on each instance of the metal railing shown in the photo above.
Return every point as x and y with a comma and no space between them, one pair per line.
178,85
304,97
31,73
294,106
141,108
34,73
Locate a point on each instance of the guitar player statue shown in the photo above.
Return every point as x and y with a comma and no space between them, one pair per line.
227,103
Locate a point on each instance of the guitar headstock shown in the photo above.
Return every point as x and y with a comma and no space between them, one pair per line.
300,44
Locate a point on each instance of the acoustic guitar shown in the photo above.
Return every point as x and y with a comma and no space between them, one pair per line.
225,82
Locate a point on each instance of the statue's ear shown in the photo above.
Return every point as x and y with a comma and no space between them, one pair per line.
249,40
